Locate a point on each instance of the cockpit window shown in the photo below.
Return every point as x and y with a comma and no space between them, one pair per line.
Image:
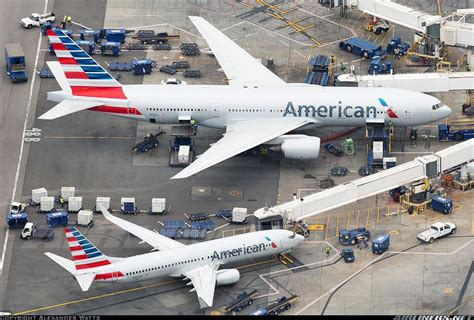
436,106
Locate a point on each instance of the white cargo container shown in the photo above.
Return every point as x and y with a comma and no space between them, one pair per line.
74,204
85,218
46,203
239,215
158,205
105,201
183,154
378,149
389,162
37,194
67,192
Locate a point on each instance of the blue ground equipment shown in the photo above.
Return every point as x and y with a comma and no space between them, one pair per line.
115,35
441,204
86,45
15,62
110,48
362,48
396,43
17,220
58,218
348,255
455,131
319,74
378,67
351,236
89,35
381,243
142,66
45,27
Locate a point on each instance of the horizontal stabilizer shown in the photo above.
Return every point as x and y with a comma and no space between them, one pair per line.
67,106
85,279
59,75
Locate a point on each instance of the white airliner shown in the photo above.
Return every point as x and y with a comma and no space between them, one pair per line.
197,262
257,107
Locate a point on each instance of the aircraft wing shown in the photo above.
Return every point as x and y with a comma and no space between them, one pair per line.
154,239
241,136
238,65
203,280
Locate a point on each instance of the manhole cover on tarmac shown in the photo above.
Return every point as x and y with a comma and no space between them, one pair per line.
326,183
394,232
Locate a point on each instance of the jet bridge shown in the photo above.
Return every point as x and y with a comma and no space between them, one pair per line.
422,167
421,82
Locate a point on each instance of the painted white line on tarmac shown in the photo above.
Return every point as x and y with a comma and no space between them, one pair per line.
22,145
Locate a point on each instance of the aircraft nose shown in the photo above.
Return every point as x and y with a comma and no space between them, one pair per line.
445,111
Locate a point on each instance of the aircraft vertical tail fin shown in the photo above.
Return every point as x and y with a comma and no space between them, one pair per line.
81,75
84,254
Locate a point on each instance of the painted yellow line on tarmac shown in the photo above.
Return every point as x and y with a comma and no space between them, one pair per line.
90,137
35,311
92,298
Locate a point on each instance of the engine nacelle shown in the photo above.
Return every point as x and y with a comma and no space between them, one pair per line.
300,147
227,276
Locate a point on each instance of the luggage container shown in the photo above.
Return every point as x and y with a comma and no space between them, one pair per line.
104,201
110,48
441,204
158,206
239,215
74,204
183,154
142,66
85,218
170,233
381,243
175,224
37,194
115,35
89,35
87,45
46,204
55,219
127,206
67,192
16,220
389,162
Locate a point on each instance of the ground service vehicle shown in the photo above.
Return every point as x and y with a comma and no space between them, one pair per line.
277,307
362,48
243,300
36,19
31,231
150,141
437,230
348,255
352,236
381,243
15,62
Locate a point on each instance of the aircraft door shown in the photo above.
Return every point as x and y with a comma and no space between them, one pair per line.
114,276
408,112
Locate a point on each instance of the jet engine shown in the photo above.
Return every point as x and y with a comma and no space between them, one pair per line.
227,276
299,146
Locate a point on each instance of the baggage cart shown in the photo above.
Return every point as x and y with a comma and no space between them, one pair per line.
127,206
158,206
85,218
74,204
104,201
67,192
46,204
17,220
56,219
37,194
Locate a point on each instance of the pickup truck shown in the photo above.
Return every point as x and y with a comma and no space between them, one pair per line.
30,231
36,19
437,230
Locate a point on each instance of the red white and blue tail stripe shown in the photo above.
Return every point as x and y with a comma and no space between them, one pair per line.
84,254
84,75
